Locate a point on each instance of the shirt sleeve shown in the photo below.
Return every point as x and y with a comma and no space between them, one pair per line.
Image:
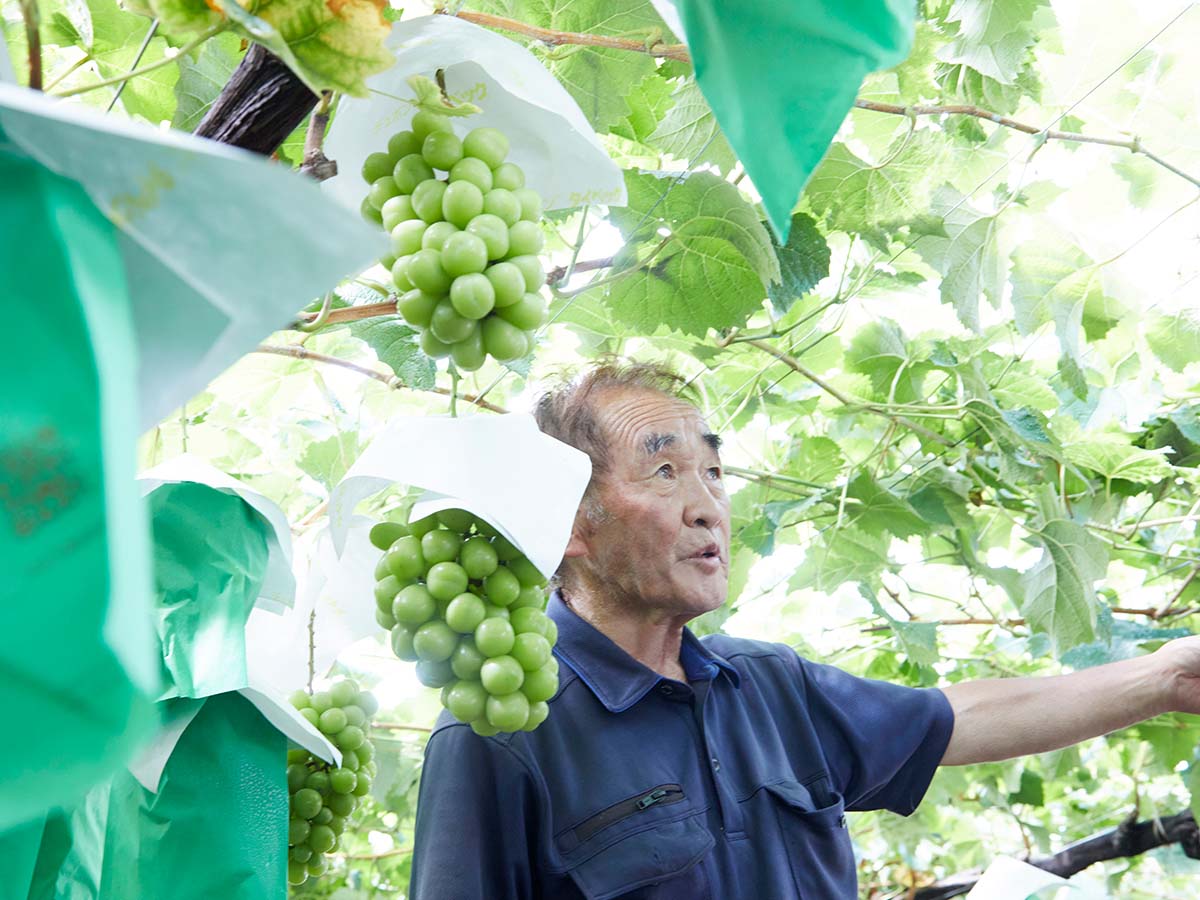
476,821
883,742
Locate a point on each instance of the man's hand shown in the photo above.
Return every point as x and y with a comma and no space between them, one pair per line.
1178,664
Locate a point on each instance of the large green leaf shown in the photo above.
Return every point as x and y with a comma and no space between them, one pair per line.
969,257
395,344
992,36
856,196
1175,339
1112,456
648,102
1059,595
689,130
803,262
842,555
878,511
201,78
709,235
598,79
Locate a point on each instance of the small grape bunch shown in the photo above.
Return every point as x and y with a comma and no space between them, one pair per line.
323,796
465,243
464,604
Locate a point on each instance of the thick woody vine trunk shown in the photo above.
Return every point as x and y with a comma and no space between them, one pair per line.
261,105
1131,839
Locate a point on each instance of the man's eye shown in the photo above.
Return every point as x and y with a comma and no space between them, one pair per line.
715,472
665,470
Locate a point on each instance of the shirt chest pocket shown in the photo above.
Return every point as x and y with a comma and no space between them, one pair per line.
646,847
816,841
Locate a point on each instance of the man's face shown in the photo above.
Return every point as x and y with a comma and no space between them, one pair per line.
662,537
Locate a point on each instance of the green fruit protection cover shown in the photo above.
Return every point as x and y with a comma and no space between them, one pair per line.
216,827
76,644
210,555
780,76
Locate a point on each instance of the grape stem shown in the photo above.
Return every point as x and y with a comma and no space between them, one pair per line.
390,380
29,12
454,379
1133,145
559,38
165,61
312,647
316,164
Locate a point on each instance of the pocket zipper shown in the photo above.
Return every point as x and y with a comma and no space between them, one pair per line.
622,809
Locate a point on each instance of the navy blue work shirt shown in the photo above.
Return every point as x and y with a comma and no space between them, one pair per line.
732,786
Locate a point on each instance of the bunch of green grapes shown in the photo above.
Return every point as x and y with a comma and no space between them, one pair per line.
468,608
323,796
464,245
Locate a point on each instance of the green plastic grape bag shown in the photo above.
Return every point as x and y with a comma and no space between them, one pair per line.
780,77
76,645
210,555
217,826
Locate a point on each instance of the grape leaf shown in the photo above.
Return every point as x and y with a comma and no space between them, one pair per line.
327,461
803,261
848,191
879,511
842,555
648,103
968,257
1175,339
1059,596
712,237
992,36
598,79
689,130
395,344
1111,456
201,77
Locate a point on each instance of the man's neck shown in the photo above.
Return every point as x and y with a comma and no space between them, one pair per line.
650,636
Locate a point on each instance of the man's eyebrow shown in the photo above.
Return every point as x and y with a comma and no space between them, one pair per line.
656,443
713,440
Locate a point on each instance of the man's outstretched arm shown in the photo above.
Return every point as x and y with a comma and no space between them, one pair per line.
1001,718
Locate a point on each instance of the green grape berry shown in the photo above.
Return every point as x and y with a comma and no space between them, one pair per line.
466,700
427,201
527,314
442,149
434,673
538,711
508,176
486,144
425,271
472,295
414,605
525,239
531,204
432,347
332,721
478,557
462,254
540,684
464,613
376,166
494,636
306,803
501,675
440,545
417,307
531,650
502,587
508,712
508,283
503,340
436,234
447,325
382,535
425,122
396,210
382,190
434,641
475,171
462,202
466,660
531,268
405,559
406,237
504,204
493,232
468,354
410,171
402,143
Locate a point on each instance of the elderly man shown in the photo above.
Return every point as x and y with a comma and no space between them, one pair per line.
689,769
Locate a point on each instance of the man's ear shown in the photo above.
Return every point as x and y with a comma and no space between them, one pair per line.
581,529
577,545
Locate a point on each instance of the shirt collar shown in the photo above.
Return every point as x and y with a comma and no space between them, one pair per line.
616,678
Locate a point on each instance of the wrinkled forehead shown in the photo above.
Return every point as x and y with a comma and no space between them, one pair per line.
646,423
